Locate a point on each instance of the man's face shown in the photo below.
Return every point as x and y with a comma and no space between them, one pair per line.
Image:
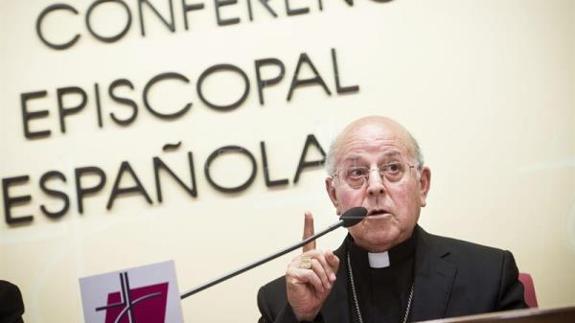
393,205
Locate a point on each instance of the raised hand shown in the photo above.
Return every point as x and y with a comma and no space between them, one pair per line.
310,276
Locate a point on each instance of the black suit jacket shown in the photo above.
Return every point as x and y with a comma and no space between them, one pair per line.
452,278
11,305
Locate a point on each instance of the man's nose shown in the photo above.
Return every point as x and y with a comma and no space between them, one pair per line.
375,183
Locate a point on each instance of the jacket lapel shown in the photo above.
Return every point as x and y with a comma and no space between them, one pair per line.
336,307
433,281
434,278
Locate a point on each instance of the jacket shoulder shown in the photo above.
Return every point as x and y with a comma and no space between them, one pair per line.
464,250
484,274
11,304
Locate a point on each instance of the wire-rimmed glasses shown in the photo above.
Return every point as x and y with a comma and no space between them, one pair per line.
357,176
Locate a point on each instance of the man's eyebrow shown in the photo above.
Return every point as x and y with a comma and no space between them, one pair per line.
392,153
352,158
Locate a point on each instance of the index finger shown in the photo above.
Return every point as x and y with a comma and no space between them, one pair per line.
308,231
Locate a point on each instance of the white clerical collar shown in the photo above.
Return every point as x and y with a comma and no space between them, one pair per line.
378,259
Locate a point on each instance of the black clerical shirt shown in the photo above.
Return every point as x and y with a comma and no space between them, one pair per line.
382,293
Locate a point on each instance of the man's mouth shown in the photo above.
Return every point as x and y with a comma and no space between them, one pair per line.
376,212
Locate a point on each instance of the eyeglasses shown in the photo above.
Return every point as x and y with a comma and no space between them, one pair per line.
357,176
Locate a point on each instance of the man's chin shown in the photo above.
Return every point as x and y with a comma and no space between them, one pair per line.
378,240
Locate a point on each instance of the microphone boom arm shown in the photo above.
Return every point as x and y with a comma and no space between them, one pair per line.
261,261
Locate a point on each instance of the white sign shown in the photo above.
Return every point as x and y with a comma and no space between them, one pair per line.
147,294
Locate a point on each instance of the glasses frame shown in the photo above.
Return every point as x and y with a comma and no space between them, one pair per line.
380,171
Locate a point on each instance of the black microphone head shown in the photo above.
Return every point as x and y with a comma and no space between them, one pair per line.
353,216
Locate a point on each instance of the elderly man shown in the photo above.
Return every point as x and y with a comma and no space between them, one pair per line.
388,269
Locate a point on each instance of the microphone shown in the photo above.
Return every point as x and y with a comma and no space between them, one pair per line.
350,218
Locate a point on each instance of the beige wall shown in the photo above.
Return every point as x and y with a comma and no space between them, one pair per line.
487,87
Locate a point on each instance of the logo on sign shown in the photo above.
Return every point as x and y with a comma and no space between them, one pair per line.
147,294
146,304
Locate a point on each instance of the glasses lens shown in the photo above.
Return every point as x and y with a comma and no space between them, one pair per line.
393,172
356,176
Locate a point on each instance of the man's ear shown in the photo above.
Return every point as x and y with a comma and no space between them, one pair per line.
424,184
330,188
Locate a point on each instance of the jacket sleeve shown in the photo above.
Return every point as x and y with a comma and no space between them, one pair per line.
510,288
274,307
266,302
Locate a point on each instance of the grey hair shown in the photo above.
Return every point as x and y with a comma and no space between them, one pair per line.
330,160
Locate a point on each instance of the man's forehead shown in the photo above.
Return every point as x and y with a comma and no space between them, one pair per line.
356,156
374,138
375,130
371,136
378,139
